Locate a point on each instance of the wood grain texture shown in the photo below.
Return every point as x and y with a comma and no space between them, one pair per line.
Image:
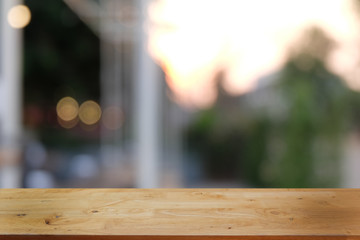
179,214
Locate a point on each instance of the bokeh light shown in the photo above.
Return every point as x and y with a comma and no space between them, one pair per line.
89,112
67,109
19,16
68,124
112,118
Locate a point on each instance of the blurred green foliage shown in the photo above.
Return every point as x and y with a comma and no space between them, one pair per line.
61,58
301,147
62,55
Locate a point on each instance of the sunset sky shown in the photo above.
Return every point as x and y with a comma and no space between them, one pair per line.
194,39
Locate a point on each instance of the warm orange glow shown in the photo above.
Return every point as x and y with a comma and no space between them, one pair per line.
19,16
89,112
112,118
67,109
193,40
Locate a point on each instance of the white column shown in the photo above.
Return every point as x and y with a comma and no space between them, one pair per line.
11,100
147,112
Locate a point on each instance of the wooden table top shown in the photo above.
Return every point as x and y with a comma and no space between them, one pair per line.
179,214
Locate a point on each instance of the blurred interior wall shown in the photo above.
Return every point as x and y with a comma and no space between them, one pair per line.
350,164
118,29
10,99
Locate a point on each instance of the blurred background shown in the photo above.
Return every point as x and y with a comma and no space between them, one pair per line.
170,93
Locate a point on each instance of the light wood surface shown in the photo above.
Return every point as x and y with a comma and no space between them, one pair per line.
180,214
